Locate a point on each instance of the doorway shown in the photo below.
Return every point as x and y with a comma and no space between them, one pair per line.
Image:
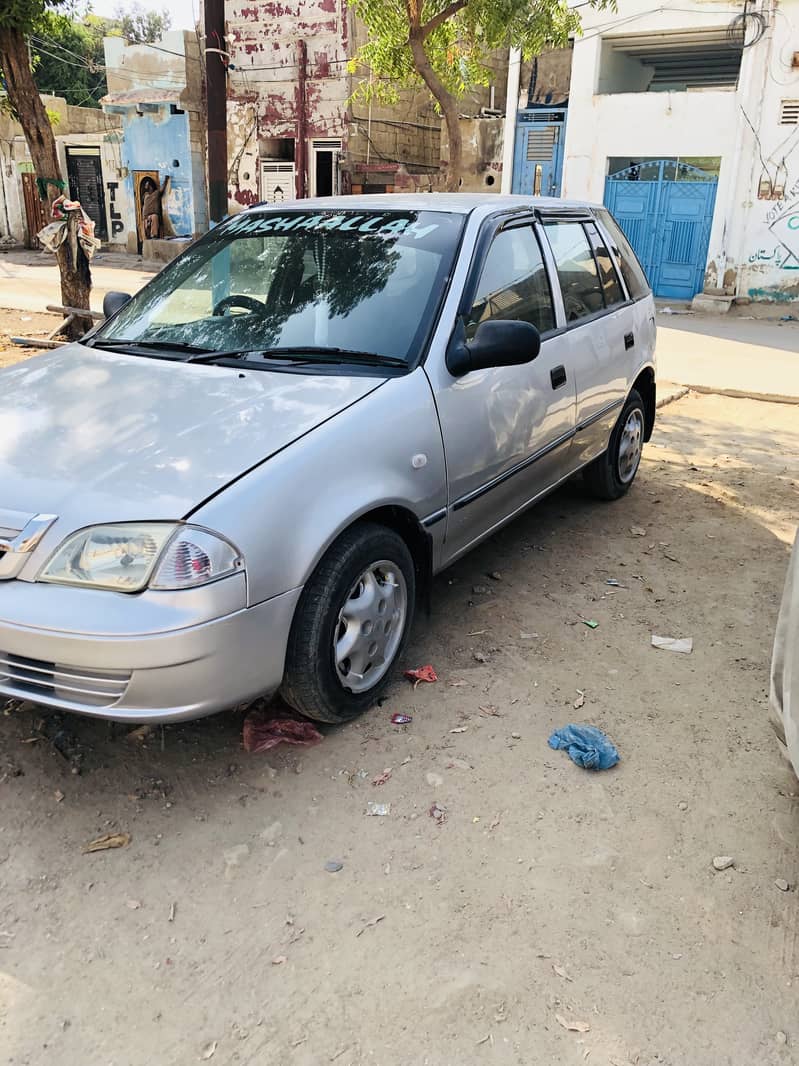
324,167
538,152
139,178
85,177
665,207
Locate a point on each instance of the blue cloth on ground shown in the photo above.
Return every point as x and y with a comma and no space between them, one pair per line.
586,745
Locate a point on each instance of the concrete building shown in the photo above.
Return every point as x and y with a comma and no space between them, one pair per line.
88,144
685,122
155,91
296,126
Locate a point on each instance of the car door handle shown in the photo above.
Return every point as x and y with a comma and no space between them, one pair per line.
629,341
557,376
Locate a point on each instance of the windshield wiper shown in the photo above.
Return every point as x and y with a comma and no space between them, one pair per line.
299,352
156,346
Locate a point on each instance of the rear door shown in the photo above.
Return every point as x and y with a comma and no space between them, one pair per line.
599,330
507,430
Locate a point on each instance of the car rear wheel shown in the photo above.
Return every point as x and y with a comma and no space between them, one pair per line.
351,625
611,475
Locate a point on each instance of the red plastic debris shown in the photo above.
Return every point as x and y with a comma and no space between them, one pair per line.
424,673
401,719
260,732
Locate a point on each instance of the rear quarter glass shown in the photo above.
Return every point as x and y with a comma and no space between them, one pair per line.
631,269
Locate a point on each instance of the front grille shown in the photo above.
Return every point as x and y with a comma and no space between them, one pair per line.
54,683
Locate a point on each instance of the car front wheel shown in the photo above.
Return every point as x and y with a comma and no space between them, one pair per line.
351,625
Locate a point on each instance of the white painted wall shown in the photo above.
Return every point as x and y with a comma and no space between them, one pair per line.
697,123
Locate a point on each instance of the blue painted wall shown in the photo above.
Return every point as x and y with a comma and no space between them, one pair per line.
153,141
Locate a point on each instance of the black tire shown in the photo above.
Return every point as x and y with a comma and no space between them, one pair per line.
602,476
311,682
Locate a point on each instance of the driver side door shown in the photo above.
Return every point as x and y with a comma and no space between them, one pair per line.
507,430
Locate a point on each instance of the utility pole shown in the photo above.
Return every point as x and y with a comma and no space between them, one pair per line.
216,108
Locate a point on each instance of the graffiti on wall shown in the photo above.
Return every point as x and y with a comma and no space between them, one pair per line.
117,224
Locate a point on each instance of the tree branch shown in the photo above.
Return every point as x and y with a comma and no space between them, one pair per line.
442,16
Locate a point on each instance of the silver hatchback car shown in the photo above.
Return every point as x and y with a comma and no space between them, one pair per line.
247,476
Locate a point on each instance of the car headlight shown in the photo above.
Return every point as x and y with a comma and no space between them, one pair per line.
130,556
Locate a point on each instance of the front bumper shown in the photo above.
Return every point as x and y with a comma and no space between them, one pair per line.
119,668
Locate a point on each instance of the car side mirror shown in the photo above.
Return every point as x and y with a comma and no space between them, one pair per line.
113,301
496,343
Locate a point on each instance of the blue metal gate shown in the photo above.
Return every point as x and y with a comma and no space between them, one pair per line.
538,151
667,221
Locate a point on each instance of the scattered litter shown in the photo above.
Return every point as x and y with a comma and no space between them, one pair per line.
59,795
587,746
261,732
209,1050
590,623
682,806
480,590
495,821
516,736
333,866
381,779
133,905
495,575
480,657
486,1040
110,840
378,810
616,584
490,711
580,701
560,972
370,925
573,1026
782,1038
140,733
638,531
475,820
278,960
782,884
670,557
173,908
434,780
478,633
683,645
401,719
723,862
438,813
459,729
459,764
424,673
675,311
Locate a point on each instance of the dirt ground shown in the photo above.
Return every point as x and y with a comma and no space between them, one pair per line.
15,323
557,916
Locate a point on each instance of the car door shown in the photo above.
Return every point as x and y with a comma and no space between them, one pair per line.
506,430
598,330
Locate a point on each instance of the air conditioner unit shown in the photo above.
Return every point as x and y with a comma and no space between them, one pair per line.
277,182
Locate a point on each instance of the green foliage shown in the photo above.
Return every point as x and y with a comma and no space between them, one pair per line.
143,26
460,45
69,58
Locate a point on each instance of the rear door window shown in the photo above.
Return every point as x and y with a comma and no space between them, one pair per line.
631,269
577,270
513,283
609,279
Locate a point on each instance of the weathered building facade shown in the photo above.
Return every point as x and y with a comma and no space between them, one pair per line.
88,145
685,122
155,92
296,125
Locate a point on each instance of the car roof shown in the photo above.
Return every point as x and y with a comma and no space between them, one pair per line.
456,203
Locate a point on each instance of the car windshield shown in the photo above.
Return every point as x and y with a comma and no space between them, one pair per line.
366,282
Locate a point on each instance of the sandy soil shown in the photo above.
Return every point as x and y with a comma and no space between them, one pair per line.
22,324
549,897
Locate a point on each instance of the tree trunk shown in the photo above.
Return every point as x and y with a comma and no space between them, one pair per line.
32,115
448,105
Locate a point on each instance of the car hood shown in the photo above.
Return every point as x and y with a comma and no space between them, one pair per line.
95,436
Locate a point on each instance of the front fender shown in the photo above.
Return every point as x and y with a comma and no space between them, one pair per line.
383,451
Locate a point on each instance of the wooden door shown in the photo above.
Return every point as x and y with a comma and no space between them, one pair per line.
138,178
34,210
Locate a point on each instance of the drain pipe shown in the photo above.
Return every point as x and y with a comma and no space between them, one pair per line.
511,107
301,145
